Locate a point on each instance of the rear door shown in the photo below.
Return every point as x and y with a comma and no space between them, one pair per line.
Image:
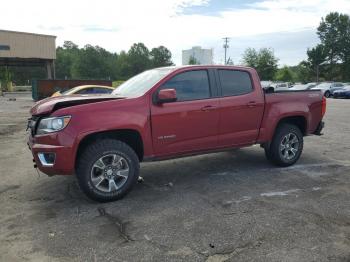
192,122
241,108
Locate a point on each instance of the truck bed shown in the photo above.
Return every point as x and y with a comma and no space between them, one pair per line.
306,104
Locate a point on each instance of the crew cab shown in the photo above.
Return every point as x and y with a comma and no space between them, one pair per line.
167,113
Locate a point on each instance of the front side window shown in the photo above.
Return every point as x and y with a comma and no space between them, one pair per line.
191,85
234,82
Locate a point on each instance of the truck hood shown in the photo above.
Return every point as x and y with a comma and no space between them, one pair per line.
50,104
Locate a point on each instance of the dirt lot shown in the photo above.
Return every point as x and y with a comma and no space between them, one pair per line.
231,206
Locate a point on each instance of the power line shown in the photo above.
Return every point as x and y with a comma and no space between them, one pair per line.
226,46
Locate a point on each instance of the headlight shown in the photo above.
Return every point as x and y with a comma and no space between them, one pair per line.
52,124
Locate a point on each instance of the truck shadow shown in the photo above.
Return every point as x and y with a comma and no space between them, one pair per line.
164,175
216,170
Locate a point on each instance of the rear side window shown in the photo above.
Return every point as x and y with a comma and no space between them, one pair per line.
235,82
191,85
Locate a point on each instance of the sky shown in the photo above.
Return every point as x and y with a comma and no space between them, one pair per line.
287,26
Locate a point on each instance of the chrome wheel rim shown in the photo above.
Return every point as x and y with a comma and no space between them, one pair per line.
289,146
109,173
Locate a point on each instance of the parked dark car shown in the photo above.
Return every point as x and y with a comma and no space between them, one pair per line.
342,93
328,88
335,87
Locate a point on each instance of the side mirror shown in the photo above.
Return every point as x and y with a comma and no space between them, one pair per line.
166,96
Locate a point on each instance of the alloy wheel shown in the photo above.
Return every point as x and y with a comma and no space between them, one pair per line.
289,146
109,173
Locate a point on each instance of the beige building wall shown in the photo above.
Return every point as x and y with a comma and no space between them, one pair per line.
27,45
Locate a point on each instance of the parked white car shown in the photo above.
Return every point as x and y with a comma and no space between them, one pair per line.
281,86
303,87
266,84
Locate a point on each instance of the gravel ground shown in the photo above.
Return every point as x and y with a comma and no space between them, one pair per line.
231,206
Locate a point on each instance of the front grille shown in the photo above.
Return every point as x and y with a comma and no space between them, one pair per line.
32,124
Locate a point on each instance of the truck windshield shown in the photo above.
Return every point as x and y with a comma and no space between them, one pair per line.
141,83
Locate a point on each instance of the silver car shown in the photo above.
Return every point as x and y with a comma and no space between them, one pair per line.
328,87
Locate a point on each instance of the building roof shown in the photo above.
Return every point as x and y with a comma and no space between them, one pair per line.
18,32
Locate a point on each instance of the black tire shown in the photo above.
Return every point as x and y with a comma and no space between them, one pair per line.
275,152
327,94
86,165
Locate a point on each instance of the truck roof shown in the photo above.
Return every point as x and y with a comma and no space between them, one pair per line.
206,66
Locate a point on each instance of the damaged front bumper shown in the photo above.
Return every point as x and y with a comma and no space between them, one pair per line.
51,159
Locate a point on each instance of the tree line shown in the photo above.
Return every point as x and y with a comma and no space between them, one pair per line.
97,63
93,62
329,60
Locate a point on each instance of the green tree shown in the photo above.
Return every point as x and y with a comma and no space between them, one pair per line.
285,74
94,62
138,59
264,61
123,67
334,33
160,56
65,58
251,57
5,78
316,57
303,73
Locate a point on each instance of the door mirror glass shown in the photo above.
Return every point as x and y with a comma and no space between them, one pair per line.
166,96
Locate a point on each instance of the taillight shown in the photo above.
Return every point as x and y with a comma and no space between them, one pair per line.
324,105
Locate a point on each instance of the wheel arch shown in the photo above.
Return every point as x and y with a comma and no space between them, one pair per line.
130,137
298,120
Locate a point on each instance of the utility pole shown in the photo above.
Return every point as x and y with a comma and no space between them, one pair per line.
226,46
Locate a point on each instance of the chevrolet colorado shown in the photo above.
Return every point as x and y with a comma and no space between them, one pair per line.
167,113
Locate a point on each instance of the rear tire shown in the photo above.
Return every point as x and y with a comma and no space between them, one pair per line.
286,146
327,94
107,170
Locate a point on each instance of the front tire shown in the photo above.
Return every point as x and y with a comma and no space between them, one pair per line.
327,94
286,146
107,170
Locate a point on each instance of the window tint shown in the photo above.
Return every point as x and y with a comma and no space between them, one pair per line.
99,90
89,90
234,82
190,85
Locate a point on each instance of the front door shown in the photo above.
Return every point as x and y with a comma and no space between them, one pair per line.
189,124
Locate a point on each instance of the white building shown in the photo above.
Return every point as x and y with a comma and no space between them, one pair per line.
201,56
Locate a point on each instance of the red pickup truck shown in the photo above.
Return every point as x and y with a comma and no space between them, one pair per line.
167,113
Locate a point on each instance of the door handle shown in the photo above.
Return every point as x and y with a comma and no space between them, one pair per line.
208,108
251,104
